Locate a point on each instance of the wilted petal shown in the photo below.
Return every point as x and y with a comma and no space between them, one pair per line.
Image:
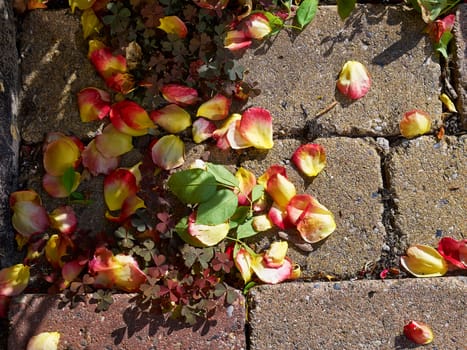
29,216
90,23
246,182
217,108
113,143
236,40
121,82
437,28
115,271
173,25
280,189
354,80
261,223
273,169
448,103
202,129
63,219
81,4
272,275
243,263
130,118
55,187
256,127
93,103
179,94
44,341
171,118
415,123
316,223
96,162
14,279
278,216
310,159
418,332
275,255
256,26
56,248
118,186
424,261
168,152
60,155
454,251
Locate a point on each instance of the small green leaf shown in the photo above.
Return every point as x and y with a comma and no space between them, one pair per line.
222,175
218,209
442,46
246,230
240,215
345,8
68,179
193,185
248,286
306,12
257,192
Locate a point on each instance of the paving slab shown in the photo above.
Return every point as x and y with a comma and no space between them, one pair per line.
297,74
123,326
460,62
350,186
53,55
428,179
357,315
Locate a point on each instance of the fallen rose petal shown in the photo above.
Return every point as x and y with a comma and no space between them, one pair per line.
278,216
173,25
29,216
424,261
217,108
130,118
113,143
236,40
106,63
63,219
90,23
220,135
60,155
275,255
261,223
118,186
246,183
272,275
81,4
316,223
56,248
418,332
93,104
273,169
280,189
256,127
437,28
354,80
129,206
179,94
207,235
168,152
96,162
44,341
243,264
171,118
235,138
55,187
256,26
310,159
71,270
14,279
453,251
448,103
121,82
202,129
415,123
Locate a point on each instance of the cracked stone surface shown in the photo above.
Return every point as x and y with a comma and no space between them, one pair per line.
388,40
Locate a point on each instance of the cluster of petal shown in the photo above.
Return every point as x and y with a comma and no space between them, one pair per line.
415,123
173,25
271,266
424,261
418,332
56,248
310,159
179,94
44,341
437,28
14,280
354,80
216,108
115,271
168,152
60,153
93,104
130,118
171,118
29,216
254,26
454,251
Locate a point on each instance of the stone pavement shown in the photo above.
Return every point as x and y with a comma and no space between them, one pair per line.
386,192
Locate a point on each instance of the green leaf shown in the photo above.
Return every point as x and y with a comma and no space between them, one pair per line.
68,179
306,12
240,215
257,192
248,286
345,8
276,23
246,230
218,209
193,185
222,175
442,46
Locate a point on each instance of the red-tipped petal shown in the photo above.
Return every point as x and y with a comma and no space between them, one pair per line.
452,251
29,216
310,159
418,332
256,26
217,108
118,186
168,152
14,279
93,104
179,94
246,182
280,189
415,123
172,118
173,25
236,40
273,169
113,143
129,206
130,118
272,275
106,63
316,223
354,80
256,127
243,263
96,162
202,129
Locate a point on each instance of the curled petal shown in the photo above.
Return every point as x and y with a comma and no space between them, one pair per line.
129,206
246,182
415,123
202,129
272,275
113,143
217,108
118,186
44,341
56,248
235,138
310,159
280,189
220,135
179,94
60,155
354,80
14,279
316,223
106,63
424,261
130,118
96,162
273,169
437,28
256,26
168,152
55,187
278,216
236,40
275,255
90,23
261,223
243,263
93,104
63,219
71,270
29,216
256,127
171,118
121,82
418,332
454,251
173,25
